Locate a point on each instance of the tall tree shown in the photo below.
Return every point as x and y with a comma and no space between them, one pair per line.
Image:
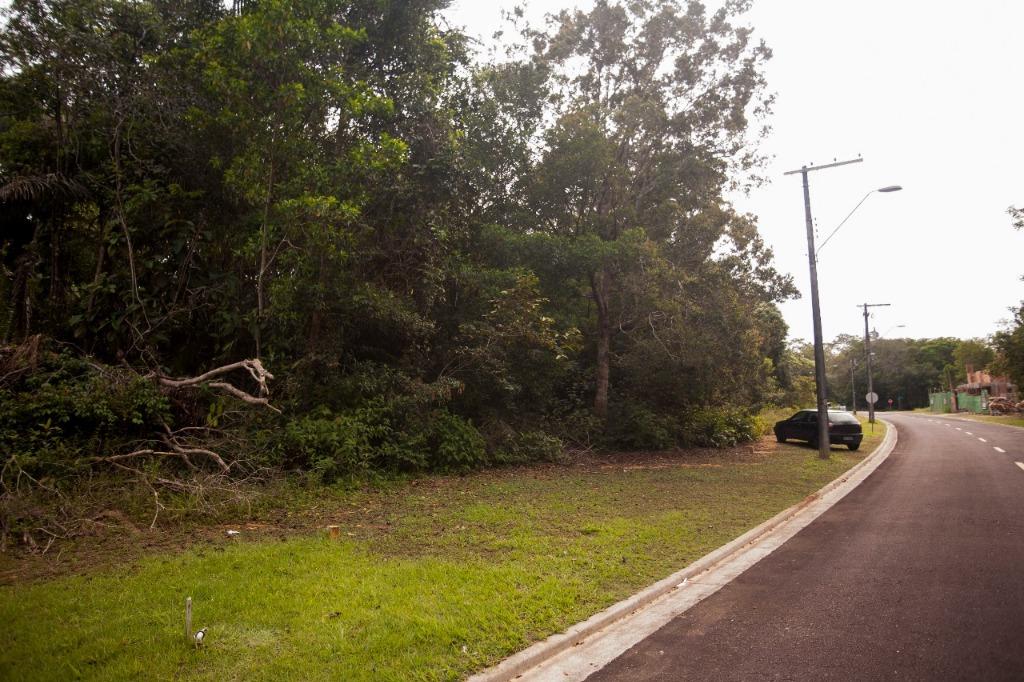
1009,341
974,354
650,110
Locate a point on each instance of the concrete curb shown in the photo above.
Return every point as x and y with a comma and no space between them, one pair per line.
544,650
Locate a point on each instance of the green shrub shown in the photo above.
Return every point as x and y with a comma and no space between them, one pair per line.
717,427
333,446
454,443
528,446
580,427
635,427
66,411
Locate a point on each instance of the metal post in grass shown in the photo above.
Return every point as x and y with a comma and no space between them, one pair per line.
188,619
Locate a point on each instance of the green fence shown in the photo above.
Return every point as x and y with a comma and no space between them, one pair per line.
941,402
973,403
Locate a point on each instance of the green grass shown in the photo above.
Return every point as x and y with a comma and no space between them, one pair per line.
454,574
872,436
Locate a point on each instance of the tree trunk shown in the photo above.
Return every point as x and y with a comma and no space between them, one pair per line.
101,254
599,285
317,316
263,260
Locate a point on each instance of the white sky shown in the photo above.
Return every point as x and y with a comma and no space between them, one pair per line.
931,93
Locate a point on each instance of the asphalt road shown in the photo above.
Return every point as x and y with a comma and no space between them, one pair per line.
917,574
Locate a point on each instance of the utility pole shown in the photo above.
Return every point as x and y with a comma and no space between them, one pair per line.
853,385
867,349
824,446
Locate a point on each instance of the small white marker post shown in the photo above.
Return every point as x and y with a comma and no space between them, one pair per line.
188,619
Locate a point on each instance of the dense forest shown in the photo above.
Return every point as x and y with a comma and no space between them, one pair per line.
334,236
905,370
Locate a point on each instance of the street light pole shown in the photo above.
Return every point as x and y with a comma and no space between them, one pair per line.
867,349
824,446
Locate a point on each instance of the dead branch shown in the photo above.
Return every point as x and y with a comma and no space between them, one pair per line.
176,450
256,370
242,395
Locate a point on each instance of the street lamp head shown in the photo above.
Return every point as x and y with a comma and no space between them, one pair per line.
887,189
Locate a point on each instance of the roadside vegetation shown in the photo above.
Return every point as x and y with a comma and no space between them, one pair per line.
331,239
279,264
432,578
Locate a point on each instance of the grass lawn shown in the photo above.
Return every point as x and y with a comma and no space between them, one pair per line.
433,578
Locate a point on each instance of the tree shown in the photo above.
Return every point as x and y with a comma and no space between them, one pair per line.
1009,341
1009,346
647,121
974,354
905,370
1017,215
87,159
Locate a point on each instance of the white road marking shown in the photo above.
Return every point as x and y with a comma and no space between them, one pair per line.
982,440
959,429
968,433
1000,450
1020,464
944,424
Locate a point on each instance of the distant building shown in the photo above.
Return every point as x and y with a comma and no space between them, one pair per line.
981,381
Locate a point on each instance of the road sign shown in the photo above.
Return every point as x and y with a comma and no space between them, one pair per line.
871,397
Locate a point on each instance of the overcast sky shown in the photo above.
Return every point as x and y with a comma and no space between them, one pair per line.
930,93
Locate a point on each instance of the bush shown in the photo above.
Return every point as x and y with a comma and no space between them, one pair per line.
332,446
717,427
579,427
635,427
454,443
528,446
58,415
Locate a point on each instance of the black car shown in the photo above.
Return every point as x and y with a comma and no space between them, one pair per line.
843,428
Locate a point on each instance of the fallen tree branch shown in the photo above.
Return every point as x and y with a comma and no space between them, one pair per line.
253,366
147,452
242,395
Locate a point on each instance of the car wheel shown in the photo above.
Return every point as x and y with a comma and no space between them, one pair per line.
853,446
779,438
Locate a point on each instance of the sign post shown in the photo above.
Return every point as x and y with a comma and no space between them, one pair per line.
872,398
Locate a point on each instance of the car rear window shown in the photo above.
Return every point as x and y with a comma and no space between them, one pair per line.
842,418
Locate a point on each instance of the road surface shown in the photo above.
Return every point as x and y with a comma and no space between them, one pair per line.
918,574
